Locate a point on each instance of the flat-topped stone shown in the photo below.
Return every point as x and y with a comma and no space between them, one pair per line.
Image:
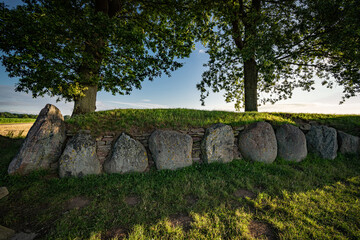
322,140
291,143
348,143
170,149
218,144
79,157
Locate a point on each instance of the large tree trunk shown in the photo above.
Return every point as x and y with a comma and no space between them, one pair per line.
86,103
251,78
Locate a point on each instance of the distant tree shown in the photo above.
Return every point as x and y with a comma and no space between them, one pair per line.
274,46
74,48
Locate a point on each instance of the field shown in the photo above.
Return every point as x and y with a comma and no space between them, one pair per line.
314,199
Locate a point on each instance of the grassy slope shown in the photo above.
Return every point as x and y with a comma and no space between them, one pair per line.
16,120
146,120
316,199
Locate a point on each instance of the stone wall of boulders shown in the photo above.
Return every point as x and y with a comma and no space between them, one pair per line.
48,146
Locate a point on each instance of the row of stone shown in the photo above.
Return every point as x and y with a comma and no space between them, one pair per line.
172,150
44,145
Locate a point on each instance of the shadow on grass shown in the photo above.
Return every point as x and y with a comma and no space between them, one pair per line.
198,202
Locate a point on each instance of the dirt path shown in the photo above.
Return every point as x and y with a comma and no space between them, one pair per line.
15,129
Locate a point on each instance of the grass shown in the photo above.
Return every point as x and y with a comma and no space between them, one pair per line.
147,120
317,199
16,120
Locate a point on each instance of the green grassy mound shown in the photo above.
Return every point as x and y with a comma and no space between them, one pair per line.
147,120
313,199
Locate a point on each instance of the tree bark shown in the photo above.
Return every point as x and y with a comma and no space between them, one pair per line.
86,103
251,78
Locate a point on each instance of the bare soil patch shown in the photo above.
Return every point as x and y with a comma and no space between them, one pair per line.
119,233
191,199
243,193
132,200
261,230
77,203
182,220
15,129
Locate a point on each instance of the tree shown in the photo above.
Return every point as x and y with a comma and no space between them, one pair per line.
273,46
74,48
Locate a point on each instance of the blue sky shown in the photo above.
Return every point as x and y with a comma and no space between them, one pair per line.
178,91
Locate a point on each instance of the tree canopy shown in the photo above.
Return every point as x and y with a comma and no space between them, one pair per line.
74,48
272,47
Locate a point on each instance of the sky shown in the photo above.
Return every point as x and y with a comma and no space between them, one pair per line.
177,91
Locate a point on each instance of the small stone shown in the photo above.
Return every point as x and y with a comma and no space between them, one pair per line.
24,236
305,127
217,144
6,233
3,192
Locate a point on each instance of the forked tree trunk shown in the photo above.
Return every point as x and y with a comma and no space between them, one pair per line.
86,103
251,78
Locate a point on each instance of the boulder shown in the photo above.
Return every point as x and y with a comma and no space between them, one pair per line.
79,157
218,144
322,140
43,144
128,155
3,192
291,142
348,143
170,149
258,142
6,233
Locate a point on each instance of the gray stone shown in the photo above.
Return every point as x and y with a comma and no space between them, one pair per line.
79,157
6,233
24,236
258,142
43,144
322,140
218,144
170,149
128,155
348,143
3,192
291,143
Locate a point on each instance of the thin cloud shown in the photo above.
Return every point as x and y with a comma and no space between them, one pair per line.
201,51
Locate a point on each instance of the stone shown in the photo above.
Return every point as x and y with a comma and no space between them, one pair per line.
217,144
170,149
79,157
43,144
24,236
128,155
348,143
322,140
3,192
6,233
291,142
258,142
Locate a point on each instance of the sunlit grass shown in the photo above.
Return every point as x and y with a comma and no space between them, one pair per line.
16,120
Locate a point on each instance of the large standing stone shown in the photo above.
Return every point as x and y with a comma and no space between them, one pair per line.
43,144
258,142
128,155
348,143
170,149
79,157
291,143
218,144
322,140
